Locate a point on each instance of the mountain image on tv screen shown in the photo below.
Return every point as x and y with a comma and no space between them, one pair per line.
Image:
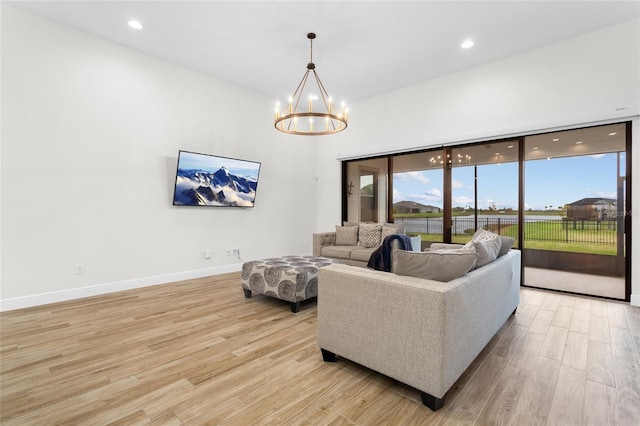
209,180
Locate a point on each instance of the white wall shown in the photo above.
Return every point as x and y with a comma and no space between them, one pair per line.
568,84
90,136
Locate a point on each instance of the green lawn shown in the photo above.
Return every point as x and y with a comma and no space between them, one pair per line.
551,236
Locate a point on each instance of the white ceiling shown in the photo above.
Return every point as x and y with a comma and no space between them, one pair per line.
363,48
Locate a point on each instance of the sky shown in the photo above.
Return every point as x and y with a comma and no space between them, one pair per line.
212,163
553,182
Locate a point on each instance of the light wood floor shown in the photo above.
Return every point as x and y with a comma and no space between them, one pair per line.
198,352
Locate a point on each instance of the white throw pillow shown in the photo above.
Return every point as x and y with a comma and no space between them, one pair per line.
487,245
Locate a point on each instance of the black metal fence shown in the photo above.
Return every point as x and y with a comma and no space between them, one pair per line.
554,230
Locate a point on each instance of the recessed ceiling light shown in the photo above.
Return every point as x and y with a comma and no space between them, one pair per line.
135,24
510,146
467,44
556,139
535,147
579,142
613,133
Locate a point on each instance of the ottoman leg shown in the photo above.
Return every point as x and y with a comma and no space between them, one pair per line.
295,307
247,293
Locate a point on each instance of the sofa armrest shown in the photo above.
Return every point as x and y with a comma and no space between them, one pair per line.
390,323
322,239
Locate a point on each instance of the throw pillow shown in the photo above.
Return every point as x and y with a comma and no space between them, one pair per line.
437,265
346,235
388,230
507,243
400,227
370,235
487,245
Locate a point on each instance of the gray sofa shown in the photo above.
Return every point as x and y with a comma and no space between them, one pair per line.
421,332
324,245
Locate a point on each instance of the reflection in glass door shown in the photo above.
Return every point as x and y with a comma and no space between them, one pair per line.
368,195
365,190
575,204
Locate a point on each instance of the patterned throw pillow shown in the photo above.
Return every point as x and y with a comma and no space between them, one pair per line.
369,235
346,235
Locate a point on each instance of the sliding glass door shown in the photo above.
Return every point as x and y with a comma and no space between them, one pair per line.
574,231
484,188
418,202
563,196
365,190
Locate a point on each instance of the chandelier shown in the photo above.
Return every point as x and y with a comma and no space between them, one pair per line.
324,120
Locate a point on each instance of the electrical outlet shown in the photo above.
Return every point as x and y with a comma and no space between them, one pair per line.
235,251
80,269
228,252
207,254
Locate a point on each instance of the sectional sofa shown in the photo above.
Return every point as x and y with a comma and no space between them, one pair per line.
419,331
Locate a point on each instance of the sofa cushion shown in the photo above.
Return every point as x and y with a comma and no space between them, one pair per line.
369,234
346,235
362,254
437,265
337,252
486,244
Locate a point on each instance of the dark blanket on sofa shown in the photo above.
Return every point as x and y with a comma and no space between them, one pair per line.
380,259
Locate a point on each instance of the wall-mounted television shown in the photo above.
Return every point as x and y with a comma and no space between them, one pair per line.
215,181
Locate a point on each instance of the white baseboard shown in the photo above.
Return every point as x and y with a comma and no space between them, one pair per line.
635,300
96,290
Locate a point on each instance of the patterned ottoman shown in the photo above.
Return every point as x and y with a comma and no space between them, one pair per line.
290,278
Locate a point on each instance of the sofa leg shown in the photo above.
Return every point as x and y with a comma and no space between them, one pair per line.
328,356
514,311
432,402
295,307
247,293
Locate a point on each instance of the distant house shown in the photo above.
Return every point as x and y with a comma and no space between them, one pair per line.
592,209
413,207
